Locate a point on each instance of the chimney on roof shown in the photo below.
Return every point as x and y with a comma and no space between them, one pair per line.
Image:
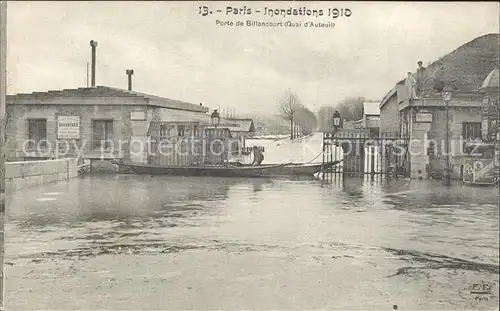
129,73
93,45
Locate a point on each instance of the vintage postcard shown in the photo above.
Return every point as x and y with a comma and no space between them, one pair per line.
248,155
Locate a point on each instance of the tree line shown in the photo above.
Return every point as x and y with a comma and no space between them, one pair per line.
302,121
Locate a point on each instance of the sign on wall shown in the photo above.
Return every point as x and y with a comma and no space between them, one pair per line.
423,117
137,116
68,127
479,171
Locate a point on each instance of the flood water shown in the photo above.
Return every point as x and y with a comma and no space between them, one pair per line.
124,242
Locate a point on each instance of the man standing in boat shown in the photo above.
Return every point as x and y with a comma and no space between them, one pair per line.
258,157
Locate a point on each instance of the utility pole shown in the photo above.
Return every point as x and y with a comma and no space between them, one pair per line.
3,94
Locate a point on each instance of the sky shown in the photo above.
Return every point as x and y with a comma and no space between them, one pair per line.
179,54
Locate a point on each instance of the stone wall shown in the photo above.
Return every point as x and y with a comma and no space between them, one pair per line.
457,117
17,115
433,135
417,149
20,175
391,105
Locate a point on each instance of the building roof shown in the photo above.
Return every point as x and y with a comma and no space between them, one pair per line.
104,91
169,115
239,125
371,108
492,81
244,125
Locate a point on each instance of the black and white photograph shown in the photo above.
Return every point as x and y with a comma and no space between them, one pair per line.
249,155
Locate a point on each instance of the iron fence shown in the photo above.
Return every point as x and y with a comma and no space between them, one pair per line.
363,153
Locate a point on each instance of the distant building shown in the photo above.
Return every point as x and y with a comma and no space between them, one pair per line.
349,125
370,119
240,129
371,115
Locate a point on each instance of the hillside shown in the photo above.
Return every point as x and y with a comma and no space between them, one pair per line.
466,67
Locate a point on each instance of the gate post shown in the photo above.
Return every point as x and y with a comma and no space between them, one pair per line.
360,156
325,154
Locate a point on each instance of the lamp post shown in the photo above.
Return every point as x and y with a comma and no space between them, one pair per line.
337,120
446,174
215,118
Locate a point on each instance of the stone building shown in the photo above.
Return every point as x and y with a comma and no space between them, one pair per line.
421,116
390,117
92,123
423,120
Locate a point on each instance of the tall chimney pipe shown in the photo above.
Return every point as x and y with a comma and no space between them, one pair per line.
129,73
93,44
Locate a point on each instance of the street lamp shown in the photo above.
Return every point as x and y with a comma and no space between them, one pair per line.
215,118
446,174
446,96
337,120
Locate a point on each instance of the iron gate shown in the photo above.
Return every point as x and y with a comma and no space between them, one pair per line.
364,154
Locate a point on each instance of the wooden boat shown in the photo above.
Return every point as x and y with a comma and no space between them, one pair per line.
294,169
216,171
232,170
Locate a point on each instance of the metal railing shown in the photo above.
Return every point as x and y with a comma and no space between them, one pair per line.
363,153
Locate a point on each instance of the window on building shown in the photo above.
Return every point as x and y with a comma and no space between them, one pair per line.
431,149
102,134
37,133
163,131
195,130
181,129
471,130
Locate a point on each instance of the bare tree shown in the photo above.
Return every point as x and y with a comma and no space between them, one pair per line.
289,108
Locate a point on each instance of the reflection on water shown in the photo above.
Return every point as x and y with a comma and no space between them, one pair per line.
386,237
116,198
